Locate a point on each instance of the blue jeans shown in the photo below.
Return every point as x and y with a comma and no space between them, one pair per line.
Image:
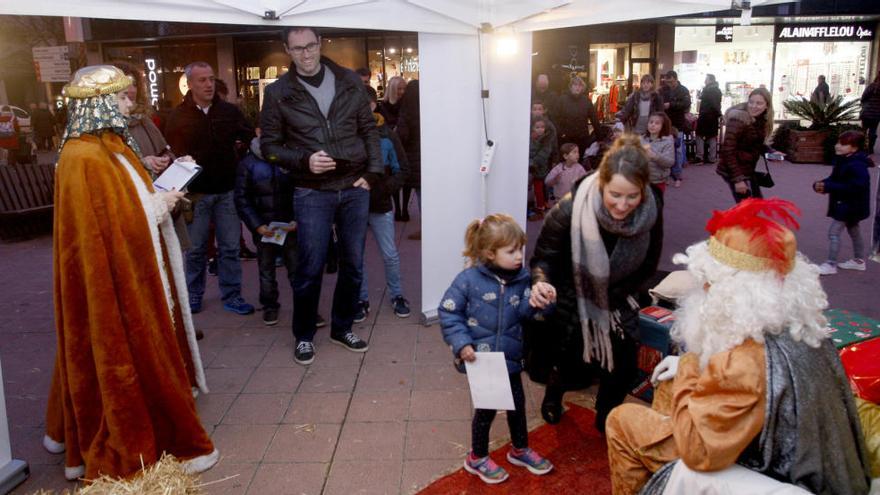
834,239
267,252
382,225
220,208
679,157
316,212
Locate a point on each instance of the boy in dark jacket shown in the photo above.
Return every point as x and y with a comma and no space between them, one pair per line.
849,196
381,218
264,200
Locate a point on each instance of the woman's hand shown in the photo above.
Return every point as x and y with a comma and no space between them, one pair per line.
467,353
741,187
542,295
171,198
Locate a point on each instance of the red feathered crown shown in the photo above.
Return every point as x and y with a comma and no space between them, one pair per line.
755,235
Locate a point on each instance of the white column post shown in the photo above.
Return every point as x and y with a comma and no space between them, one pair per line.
452,139
12,471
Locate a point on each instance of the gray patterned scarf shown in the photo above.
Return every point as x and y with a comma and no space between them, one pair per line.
594,271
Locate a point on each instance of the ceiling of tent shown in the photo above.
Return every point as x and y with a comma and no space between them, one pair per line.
431,16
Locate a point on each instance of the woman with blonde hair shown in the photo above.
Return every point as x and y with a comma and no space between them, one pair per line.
747,127
389,107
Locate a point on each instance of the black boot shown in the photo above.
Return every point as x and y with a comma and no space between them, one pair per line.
551,406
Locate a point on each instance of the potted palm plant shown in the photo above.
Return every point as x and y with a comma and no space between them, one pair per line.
811,144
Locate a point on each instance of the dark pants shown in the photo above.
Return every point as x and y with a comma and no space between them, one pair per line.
615,385
316,212
870,126
753,192
267,252
516,421
43,142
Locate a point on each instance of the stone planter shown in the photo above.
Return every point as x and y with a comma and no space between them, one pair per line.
807,146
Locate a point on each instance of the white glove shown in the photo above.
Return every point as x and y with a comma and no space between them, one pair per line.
666,370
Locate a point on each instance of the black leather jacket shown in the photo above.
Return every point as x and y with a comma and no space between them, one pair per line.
294,128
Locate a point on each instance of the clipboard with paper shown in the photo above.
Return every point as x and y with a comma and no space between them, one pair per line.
177,176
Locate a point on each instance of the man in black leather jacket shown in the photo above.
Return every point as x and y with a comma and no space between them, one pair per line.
317,123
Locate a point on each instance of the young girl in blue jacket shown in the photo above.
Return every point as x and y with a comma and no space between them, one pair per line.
482,311
849,200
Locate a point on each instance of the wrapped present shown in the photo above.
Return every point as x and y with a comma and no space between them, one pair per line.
654,326
847,327
861,361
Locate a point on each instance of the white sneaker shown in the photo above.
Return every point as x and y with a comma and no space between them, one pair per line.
827,269
875,257
853,264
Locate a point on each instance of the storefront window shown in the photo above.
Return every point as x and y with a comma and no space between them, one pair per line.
391,56
740,64
799,65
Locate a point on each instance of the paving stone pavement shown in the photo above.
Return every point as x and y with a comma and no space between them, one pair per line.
387,421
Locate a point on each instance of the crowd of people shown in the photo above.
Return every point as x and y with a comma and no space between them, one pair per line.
330,161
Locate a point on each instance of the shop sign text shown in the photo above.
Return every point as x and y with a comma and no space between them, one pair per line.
824,32
724,33
152,81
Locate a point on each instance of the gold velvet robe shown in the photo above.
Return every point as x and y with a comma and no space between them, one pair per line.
126,356
710,419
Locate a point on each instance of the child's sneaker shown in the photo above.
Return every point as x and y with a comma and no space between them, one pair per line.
530,460
853,264
485,468
827,268
875,257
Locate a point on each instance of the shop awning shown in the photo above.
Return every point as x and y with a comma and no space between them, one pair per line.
427,16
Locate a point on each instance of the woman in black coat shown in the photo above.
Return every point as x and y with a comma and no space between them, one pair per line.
573,112
593,277
707,122
409,131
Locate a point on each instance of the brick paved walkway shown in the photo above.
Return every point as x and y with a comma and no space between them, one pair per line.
388,421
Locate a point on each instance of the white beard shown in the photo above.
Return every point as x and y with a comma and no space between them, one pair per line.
740,305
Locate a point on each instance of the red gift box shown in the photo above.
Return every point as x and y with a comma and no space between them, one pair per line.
862,364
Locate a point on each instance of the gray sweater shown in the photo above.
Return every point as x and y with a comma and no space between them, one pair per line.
664,159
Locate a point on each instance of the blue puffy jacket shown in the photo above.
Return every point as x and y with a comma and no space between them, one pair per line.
481,308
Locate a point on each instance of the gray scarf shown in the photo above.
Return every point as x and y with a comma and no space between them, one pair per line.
594,271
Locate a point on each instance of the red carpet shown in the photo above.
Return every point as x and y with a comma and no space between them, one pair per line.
573,446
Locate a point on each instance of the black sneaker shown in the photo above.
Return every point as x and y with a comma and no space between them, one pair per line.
350,341
245,254
212,266
401,307
362,311
304,352
270,316
320,321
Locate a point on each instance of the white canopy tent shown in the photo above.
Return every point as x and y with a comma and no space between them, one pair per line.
453,61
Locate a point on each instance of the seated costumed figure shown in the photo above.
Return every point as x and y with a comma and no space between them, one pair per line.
127,360
761,388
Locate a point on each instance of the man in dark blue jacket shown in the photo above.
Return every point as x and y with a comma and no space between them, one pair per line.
317,123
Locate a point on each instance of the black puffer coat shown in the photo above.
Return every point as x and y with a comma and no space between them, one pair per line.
849,188
294,128
558,342
263,192
573,113
410,132
871,102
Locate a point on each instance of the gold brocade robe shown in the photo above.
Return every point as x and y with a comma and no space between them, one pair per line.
121,391
712,416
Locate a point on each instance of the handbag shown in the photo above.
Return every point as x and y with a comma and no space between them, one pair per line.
764,179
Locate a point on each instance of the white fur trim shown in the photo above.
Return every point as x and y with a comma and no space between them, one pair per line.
201,463
52,446
74,473
157,221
